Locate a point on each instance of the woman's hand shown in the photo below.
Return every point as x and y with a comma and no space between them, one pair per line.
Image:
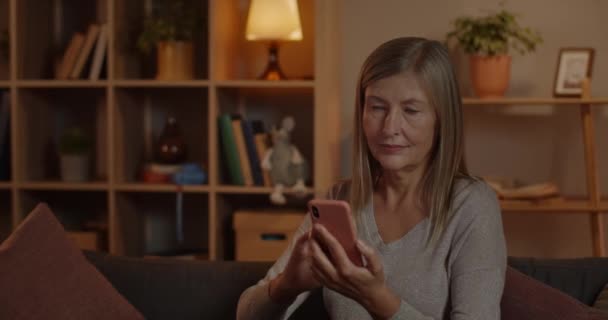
363,284
297,276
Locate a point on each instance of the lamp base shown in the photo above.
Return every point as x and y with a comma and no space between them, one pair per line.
273,69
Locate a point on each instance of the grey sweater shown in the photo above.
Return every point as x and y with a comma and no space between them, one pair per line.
462,277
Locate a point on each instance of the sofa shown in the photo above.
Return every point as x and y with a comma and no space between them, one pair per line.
44,275
166,288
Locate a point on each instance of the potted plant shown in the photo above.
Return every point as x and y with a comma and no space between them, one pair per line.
170,29
4,53
74,150
488,40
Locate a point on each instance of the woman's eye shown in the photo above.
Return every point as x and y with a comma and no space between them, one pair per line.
377,108
410,111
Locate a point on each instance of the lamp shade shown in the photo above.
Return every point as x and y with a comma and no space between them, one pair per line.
273,20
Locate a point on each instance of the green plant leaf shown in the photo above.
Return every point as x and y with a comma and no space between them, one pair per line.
170,20
493,34
74,141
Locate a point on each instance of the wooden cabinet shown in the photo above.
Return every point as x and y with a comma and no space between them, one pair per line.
124,111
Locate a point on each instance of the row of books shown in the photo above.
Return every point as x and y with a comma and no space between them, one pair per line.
85,51
244,144
5,129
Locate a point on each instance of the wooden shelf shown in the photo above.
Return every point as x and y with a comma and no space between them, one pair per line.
144,187
549,206
5,185
61,84
5,84
160,84
64,186
533,101
253,190
266,84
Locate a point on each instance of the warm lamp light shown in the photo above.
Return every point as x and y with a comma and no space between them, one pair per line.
273,20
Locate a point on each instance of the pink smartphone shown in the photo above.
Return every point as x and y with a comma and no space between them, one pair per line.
336,217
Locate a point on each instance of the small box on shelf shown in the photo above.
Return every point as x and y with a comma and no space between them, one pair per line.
67,139
228,204
86,240
80,212
151,223
264,235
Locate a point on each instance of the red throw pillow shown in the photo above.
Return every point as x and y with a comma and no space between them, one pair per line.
43,275
527,298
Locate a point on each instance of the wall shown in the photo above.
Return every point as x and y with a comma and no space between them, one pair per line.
532,144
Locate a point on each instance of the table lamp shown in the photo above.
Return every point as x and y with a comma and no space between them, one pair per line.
273,21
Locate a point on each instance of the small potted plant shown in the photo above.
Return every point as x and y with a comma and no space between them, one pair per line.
74,150
170,30
4,53
488,41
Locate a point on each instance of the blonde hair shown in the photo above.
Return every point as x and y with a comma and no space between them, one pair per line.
429,62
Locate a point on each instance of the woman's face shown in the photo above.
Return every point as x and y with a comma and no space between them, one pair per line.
398,122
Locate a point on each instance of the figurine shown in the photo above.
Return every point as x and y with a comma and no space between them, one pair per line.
286,165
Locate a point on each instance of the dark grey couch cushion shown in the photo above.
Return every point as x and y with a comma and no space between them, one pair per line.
172,289
175,289
581,278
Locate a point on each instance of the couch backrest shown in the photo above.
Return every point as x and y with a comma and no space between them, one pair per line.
581,278
172,289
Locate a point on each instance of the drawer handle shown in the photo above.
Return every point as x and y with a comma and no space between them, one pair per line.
273,236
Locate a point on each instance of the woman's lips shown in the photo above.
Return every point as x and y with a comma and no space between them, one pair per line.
391,148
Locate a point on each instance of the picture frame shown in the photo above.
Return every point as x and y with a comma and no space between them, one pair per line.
573,66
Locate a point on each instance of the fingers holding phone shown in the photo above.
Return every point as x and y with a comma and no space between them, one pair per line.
297,277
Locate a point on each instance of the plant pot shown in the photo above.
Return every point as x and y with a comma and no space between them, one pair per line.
175,60
74,167
490,75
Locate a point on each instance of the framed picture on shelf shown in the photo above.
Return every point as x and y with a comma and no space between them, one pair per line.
573,66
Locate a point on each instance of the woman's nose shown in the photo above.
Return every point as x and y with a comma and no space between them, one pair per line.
392,123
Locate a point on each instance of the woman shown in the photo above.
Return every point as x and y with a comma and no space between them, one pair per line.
431,235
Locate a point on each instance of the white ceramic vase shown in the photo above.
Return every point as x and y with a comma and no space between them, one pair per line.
74,168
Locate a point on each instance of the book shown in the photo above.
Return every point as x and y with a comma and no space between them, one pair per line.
512,190
229,150
100,53
254,161
85,52
261,146
70,55
239,137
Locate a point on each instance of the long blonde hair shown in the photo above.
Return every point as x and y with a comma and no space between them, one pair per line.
429,62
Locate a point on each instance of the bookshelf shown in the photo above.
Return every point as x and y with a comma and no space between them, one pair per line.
124,110
594,206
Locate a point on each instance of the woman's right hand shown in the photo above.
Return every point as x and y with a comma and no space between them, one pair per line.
297,276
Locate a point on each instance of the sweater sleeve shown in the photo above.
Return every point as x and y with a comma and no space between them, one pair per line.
255,303
477,262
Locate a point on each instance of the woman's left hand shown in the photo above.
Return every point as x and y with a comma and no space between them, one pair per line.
365,285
